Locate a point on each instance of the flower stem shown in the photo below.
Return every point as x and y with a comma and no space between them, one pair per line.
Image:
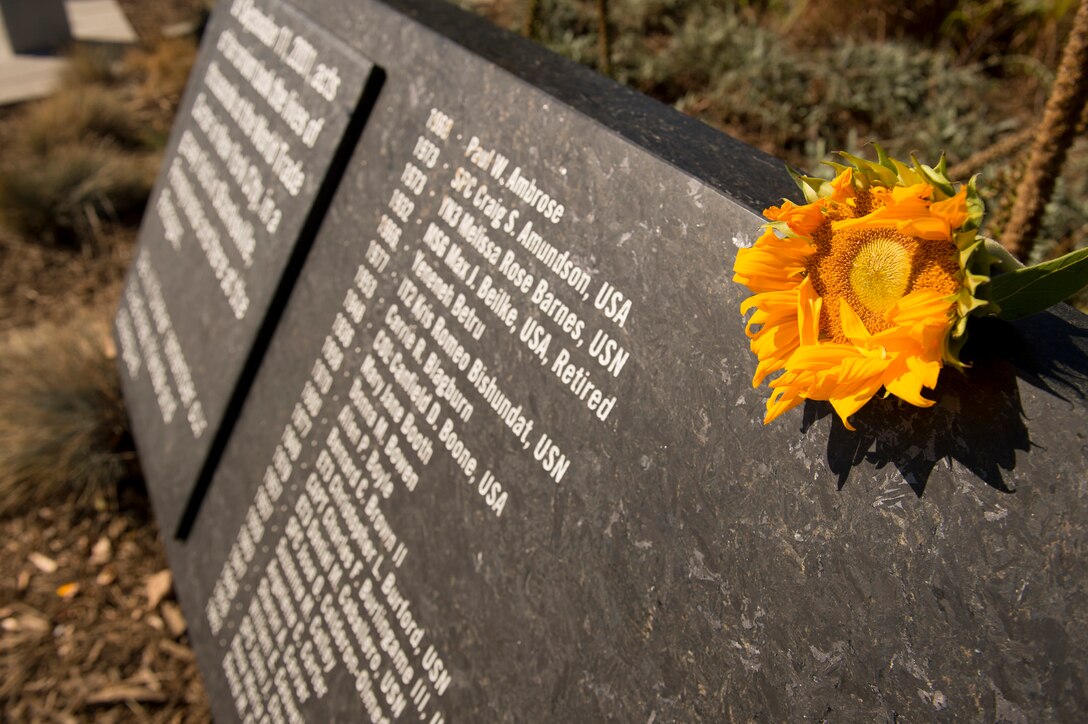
532,18
1005,261
604,39
1056,133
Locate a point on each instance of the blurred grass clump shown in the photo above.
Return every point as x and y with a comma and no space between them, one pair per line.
63,428
65,196
79,115
84,159
75,174
803,78
160,74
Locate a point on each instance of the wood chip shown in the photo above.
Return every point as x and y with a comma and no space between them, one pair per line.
105,577
175,621
27,622
102,551
158,585
178,651
145,677
125,692
109,349
68,591
23,581
116,528
95,652
40,685
45,564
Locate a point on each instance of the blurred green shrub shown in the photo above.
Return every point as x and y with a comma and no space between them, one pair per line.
803,78
734,73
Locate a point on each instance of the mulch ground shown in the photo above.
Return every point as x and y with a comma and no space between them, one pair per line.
89,626
47,284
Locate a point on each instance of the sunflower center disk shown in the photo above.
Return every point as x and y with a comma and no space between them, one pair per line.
872,269
880,274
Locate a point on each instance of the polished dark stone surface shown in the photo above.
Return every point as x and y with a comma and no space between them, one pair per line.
691,563
214,334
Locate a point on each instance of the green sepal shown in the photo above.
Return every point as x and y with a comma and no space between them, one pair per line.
976,261
838,168
780,226
809,185
885,160
934,177
942,165
976,209
953,347
1032,289
907,175
870,170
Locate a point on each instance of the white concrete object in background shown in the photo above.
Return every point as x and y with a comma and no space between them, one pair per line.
32,32
33,26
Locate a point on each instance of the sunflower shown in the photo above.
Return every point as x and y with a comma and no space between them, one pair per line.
868,285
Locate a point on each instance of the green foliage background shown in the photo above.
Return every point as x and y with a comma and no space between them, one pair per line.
803,78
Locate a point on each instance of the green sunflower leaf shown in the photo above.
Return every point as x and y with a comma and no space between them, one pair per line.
1035,288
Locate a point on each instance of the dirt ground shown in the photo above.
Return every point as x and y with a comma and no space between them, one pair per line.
89,626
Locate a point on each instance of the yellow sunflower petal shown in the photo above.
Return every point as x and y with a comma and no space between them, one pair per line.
852,326
804,219
911,194
772,263
931,228
952,211
809,305
908,387
779,404
847,406
773,349
842,186
925,371
845,303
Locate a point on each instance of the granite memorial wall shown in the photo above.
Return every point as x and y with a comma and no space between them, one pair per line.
495,454
273,108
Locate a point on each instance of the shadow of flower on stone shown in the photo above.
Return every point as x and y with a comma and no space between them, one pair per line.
978,419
